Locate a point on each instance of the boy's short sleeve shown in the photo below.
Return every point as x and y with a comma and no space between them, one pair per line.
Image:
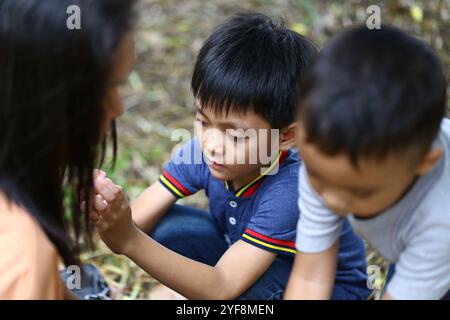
186,172
423,269
318,227
273,224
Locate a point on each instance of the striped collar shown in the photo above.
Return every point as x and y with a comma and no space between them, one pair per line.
250,188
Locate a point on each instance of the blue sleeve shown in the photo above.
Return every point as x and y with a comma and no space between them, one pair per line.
274,222
186,173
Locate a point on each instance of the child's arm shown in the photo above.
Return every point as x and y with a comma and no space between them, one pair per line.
236,271
387,296
313,275
151,205
318,233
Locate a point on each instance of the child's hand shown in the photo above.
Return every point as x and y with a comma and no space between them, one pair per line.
95,174
112,215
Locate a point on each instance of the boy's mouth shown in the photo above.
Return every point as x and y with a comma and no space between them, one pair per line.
216,165
213,164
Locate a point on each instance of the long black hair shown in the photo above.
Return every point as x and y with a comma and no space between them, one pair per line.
53,81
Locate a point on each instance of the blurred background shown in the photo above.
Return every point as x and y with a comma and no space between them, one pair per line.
158,99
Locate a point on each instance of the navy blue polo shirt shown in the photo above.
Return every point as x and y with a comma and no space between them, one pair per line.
263,213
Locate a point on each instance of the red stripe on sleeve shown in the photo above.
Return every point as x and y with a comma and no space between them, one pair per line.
176,183
290,244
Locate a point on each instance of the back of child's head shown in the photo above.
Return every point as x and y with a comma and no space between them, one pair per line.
53,83
252,63
373,92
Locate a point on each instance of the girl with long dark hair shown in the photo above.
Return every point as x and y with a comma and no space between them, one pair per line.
58,98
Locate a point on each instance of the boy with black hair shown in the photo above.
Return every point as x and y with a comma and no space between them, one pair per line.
376,149
246,79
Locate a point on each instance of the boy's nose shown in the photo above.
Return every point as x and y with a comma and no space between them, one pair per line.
214,153
214,144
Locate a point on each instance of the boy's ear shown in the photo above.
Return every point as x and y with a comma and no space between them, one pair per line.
288,137
429,161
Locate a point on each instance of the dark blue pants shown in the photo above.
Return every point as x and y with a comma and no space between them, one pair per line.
193,233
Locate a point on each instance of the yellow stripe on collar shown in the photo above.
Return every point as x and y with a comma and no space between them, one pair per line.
248,185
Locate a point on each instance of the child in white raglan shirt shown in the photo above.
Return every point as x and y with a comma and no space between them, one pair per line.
376,150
